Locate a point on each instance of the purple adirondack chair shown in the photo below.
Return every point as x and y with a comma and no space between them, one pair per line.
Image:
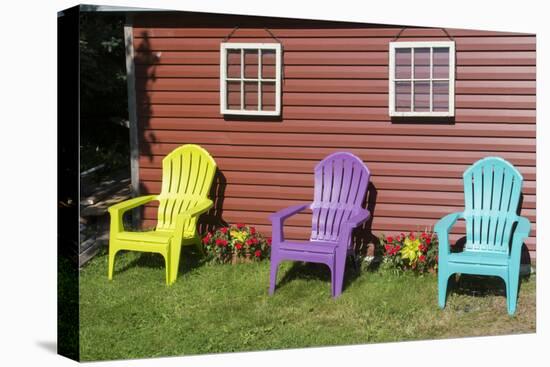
341,181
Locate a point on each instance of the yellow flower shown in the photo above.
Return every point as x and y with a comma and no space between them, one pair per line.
239,235
410,249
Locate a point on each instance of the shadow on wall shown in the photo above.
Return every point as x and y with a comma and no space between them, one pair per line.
363,240
423,120
214,217
145,73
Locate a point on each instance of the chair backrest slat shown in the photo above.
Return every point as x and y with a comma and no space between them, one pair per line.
187,174
326,197
492,188
341,181
335,215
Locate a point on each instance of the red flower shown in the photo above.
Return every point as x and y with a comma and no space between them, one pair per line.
252,230
223,230
205,240
422,258
238,246
389,248
421,247
411,236
269,241
389,239
397,248
428,240
219,242
240,225
258,253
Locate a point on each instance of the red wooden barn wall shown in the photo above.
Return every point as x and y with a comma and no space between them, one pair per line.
334,97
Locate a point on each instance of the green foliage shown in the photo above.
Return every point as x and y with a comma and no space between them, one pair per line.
102,66
104,137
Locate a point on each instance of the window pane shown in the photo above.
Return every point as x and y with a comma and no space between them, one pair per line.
268,64
234,95
233,63
421,96
251,95
403,63
403,96
441,63
441,96
421,63
251,64
268,96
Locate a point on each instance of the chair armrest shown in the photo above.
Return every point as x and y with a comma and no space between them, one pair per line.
282,214
522,231
198,209
360,217
117,211
442,228
277,219
126,205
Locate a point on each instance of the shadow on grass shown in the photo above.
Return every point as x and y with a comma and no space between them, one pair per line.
481,285
477,285
317,271
189,260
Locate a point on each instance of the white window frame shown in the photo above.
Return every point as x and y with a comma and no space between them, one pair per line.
224,79
431,45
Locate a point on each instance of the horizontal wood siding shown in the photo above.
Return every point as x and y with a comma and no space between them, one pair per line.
335,97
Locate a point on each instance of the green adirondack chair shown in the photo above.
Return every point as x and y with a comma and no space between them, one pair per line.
187,175
494,232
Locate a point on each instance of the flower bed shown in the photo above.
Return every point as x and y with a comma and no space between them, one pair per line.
236,243
416,251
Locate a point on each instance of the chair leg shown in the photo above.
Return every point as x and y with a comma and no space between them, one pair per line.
274,266
332,268
338,274
167,267
512,285
443,281
112,254
174,255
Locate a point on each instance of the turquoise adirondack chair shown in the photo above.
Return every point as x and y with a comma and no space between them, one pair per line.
494,232
187,175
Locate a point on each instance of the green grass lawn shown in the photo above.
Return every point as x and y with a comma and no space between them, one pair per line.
226,308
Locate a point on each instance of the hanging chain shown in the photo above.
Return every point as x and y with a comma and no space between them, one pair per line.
230,34
443,29
398,34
